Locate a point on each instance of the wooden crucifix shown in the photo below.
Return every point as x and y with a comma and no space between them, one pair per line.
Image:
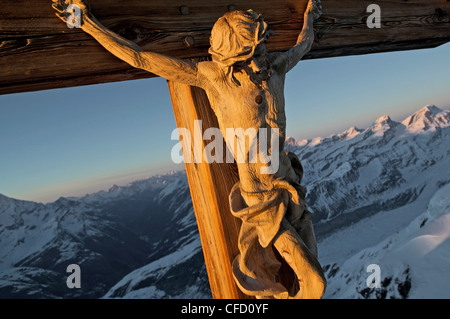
245,264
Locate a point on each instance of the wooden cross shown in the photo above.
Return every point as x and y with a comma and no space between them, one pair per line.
39,52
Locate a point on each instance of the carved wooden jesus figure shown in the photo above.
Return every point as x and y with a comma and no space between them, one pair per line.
245,87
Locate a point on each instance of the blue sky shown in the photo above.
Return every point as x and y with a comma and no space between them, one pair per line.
73,141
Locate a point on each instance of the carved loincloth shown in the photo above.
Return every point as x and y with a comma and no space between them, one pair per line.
256,268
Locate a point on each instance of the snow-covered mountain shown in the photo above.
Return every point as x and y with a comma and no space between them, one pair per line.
413,261
374,191
358,173
379,196
108,234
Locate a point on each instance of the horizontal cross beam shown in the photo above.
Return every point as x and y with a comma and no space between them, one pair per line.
38,51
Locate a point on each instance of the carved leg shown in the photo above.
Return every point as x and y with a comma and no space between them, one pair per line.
305,265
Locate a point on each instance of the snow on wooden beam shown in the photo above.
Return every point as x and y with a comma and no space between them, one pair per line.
38,51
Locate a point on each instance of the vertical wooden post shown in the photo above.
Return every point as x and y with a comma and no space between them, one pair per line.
210,185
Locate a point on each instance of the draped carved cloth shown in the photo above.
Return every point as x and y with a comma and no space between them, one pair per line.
256,268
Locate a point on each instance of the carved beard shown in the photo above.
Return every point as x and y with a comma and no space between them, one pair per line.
258,76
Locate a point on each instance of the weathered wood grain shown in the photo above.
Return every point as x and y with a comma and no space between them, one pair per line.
38,51
210,185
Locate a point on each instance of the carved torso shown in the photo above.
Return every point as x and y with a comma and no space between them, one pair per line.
239,102
258,105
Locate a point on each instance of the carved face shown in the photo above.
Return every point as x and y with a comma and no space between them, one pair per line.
237,37
260,55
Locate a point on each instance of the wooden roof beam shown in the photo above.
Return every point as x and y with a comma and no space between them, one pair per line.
38,51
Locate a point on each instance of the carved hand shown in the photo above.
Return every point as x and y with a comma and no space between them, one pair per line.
314,8
61,6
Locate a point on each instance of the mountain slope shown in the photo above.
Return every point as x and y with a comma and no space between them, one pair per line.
109,234
413,262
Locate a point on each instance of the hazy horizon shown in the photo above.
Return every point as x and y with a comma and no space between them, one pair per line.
104,183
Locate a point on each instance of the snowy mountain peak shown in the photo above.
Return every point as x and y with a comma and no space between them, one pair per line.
382,123
350,133
3,198
8,200
64,201
430,108
383,119
430,116
5,203
9,205
113,188
290,141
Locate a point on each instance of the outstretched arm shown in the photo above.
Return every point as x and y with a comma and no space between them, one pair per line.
306,37
167,67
